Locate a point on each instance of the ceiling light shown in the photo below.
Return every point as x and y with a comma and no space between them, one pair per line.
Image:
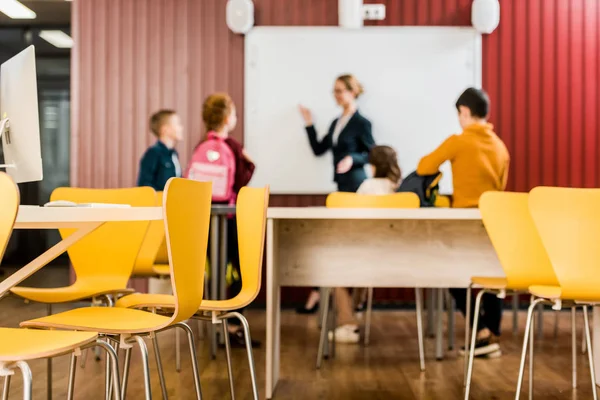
16,10
57,38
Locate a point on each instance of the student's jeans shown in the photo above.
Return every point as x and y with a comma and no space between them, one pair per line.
491,310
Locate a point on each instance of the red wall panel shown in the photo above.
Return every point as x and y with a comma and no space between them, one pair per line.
540,67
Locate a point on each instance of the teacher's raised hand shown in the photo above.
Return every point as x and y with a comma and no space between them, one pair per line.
306,115
344,165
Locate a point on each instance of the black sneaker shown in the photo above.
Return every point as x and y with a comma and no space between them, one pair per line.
485,347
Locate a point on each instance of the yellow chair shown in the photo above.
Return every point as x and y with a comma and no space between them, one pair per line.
251,221
442,201
102,271
103,260
568,223
17,346
524,260
187,216
149,263
353,200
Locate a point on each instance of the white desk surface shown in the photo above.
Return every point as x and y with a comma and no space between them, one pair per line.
374,213
61,217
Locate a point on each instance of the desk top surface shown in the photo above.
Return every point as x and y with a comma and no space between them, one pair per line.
35,214
472,214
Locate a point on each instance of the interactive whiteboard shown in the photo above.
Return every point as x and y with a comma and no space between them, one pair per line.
412,77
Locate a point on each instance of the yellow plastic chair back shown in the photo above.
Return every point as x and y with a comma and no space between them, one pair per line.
568,222
251,217
353,200
106,256
515,238
9,205
154,239
187,217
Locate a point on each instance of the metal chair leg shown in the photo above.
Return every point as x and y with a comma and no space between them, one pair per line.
6,389
467,327
27,380
161,374
72,369
588,340
192,347
574,345
419,306
248,339
228,354
528,332
471,351
531,355
107,380
325,304
48,363
145,366
177,351
583,343
332,323
369,312
515,309
111,354
126,372
556,315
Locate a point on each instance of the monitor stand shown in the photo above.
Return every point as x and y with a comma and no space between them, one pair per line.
5,130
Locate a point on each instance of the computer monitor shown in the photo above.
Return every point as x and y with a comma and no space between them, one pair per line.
19,118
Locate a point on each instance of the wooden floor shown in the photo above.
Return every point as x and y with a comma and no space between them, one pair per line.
387,369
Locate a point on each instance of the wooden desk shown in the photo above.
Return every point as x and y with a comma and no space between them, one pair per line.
427,248
85,220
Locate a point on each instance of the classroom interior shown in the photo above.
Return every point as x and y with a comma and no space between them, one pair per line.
385,268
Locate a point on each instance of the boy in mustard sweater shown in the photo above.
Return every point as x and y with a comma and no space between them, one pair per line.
479,162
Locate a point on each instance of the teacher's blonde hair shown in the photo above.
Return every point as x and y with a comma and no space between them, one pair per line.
352,84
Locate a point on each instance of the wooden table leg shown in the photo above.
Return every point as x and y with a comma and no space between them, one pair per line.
273,311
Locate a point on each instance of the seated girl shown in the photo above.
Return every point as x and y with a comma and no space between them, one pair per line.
386,179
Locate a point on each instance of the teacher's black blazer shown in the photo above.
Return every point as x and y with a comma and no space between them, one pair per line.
355,140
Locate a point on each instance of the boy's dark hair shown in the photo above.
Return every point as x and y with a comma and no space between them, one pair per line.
476,100
385,161
158,119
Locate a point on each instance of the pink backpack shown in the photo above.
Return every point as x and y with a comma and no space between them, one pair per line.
214,161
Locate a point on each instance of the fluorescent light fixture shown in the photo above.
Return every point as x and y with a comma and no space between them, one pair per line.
57,38
16,10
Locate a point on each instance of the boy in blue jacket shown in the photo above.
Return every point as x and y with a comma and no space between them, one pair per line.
161,162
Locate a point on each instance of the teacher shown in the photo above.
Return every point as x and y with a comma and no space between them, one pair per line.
350,139
349,136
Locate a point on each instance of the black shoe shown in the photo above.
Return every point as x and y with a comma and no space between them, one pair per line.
303,310
236,340
484,347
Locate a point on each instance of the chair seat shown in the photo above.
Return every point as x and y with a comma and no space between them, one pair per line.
143,300
546,292
29,344
161,269
490,283
581,295
80,290
109,320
